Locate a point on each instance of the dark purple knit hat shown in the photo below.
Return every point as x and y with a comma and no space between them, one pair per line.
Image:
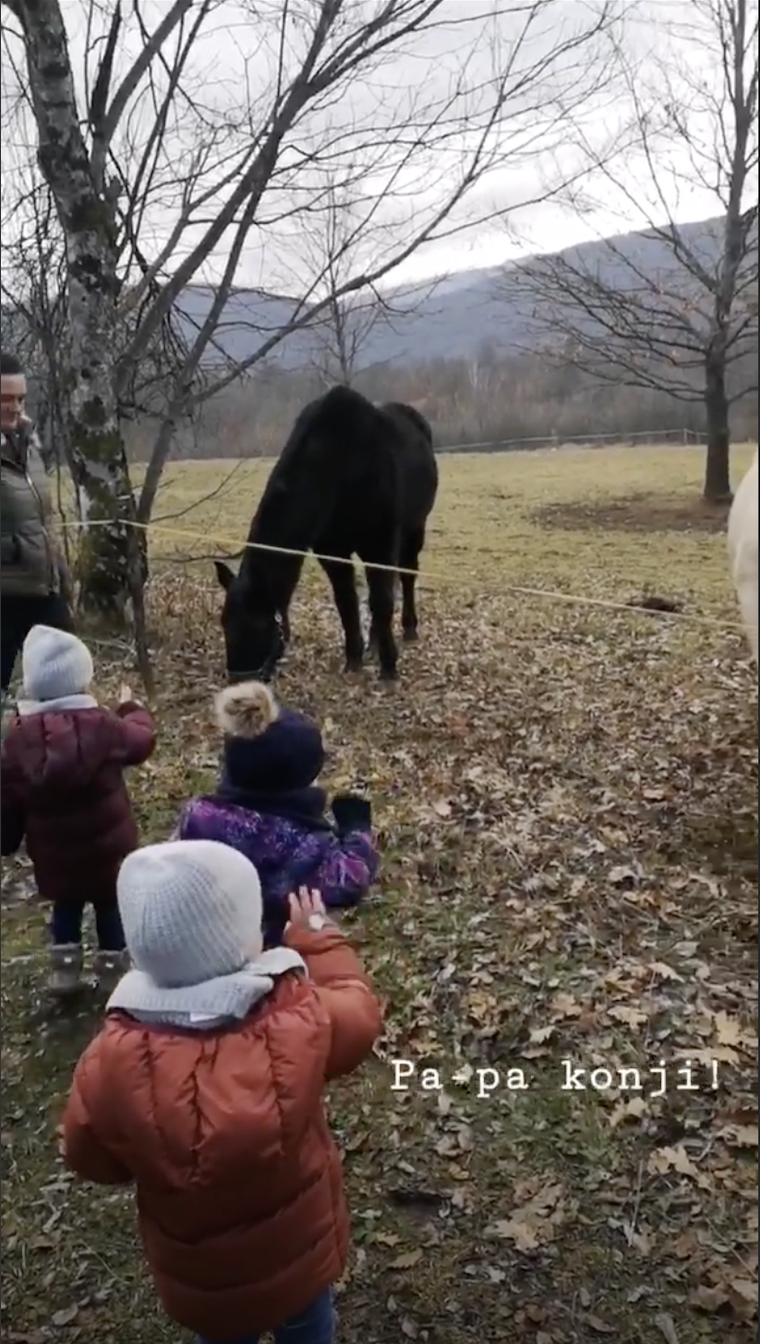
288,755
266,748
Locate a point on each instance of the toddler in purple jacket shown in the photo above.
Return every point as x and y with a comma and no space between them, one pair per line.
268,806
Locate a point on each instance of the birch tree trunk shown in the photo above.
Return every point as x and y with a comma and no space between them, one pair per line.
111,556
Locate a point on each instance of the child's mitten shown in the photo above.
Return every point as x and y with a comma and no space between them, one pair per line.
352,813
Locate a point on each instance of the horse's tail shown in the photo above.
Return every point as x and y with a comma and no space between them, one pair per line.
246,709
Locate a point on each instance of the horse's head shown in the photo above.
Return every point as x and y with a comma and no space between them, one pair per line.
254,638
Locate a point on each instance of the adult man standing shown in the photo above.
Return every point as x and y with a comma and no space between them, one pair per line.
34,585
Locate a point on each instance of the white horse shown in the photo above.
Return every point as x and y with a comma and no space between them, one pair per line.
742,551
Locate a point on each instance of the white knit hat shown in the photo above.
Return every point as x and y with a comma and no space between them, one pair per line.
55,664
191,911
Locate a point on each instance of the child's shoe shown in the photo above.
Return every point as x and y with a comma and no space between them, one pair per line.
65,970
109,967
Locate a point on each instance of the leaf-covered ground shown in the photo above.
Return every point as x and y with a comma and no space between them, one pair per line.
566,797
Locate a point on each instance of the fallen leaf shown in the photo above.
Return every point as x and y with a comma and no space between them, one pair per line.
675,1159
666,1326
741,1136
685,1245
730,1031
463,1075
599,1326
535,1222
709,1299
632,1017
540,1034
620,875
633,1109
524,1235
641,1242
535,1313
407,1260
66,1316
564,1005
742,1294
664,972
719,1054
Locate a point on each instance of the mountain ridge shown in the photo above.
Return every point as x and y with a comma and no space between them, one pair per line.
451,317
456,316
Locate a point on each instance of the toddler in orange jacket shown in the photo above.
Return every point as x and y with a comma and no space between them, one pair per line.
204,1088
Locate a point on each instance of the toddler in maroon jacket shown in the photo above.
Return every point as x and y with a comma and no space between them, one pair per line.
63,788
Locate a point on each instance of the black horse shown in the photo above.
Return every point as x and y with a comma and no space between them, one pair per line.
352,478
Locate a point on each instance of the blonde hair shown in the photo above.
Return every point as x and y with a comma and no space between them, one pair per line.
245,710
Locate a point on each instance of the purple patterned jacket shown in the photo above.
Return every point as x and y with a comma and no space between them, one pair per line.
286,856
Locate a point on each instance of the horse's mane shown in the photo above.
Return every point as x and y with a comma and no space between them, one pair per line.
296,497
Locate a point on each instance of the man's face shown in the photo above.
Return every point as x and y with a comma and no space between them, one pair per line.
12,399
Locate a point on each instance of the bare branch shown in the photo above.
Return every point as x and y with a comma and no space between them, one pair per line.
216,139
674,307
106,124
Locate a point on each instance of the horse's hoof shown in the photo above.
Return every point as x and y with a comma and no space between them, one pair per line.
389,674
410,635
352,666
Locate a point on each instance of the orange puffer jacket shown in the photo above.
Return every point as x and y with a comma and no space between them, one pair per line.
239,1182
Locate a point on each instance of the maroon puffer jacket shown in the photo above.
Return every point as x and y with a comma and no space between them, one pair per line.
63,787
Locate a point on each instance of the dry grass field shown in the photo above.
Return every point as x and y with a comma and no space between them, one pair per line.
566,800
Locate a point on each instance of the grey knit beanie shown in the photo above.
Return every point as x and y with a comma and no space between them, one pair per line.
55,664
191,911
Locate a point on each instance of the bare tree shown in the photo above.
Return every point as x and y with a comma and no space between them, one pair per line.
673,308
156,173
346,227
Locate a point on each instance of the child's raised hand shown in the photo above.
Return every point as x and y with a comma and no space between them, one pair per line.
303,905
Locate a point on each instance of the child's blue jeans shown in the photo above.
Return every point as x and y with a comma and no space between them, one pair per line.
66,925
315,1325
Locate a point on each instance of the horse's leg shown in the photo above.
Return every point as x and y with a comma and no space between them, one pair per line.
343,583
373,645
411,547
381,584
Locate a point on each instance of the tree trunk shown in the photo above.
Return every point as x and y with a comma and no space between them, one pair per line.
110,562
717,486
111,556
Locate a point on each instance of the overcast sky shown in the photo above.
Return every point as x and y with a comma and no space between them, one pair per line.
232,71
